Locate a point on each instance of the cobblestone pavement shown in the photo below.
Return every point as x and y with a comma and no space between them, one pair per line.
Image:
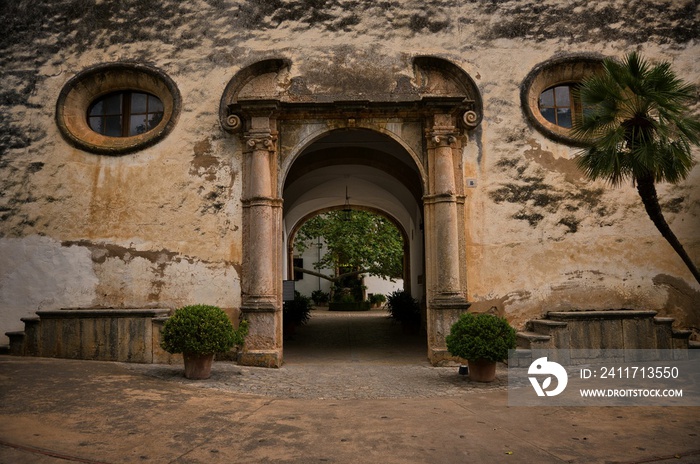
341,355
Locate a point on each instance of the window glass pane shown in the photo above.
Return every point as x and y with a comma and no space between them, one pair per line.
562,95
137,125
145,113
154,119
96,109
564,117
95,124
549,114
138,102
154,104
113,126
113,104
547,98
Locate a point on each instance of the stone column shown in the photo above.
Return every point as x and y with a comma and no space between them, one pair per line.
260,284
444,238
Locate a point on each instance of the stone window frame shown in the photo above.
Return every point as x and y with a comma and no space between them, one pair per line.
83,89
569,70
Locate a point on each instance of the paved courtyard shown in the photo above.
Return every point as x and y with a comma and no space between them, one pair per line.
355,388
341,355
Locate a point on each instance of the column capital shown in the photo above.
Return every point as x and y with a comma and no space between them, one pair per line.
260,141
442,131
442,138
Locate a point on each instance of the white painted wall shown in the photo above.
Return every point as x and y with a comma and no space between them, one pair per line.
38,273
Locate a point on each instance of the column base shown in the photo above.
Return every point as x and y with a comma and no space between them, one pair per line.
450,302
261,358
443,311
440,357
258,305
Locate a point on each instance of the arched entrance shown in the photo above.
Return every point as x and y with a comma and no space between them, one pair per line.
376,174
399,152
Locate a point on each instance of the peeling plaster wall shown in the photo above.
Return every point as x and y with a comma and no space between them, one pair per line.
162,226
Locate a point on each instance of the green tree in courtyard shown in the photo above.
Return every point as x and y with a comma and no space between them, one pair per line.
637,126
357,242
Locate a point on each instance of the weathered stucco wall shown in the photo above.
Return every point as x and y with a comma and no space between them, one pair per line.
162,226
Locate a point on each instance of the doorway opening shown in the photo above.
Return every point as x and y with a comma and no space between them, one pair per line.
340,173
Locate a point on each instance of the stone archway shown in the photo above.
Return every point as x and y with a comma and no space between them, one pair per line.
426,113
380,176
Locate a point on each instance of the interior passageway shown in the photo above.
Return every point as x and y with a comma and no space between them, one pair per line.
354,337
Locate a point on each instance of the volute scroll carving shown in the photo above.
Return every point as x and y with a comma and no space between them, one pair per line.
470,119
261,142
232,123
443,140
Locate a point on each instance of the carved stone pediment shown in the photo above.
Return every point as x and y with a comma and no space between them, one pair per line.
429,84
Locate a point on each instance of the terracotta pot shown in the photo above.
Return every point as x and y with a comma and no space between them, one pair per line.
481,370
197,366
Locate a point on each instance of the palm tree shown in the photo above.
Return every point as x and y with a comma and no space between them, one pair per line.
637,125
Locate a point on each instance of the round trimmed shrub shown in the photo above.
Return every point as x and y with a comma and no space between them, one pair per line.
201,329
481,336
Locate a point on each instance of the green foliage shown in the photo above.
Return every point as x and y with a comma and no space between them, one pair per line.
297,311
637,123
377,299
343,297
355,240
348,289
201,329
481,336
320,297
403,307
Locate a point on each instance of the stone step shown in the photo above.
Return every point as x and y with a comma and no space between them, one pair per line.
681,339
681,333
522,358
16,342
530,340
663,326
693,345
546,326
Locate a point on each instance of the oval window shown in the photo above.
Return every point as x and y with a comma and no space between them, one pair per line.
549,98
117,108
125,114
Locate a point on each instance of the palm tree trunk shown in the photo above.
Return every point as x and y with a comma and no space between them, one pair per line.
647,191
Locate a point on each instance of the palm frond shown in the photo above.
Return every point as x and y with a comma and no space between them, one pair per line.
638,124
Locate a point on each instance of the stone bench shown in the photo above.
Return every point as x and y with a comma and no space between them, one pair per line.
125,335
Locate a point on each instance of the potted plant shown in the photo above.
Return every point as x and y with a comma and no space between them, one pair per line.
199,332
405,309
320,297
483,340
377,300
295,313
